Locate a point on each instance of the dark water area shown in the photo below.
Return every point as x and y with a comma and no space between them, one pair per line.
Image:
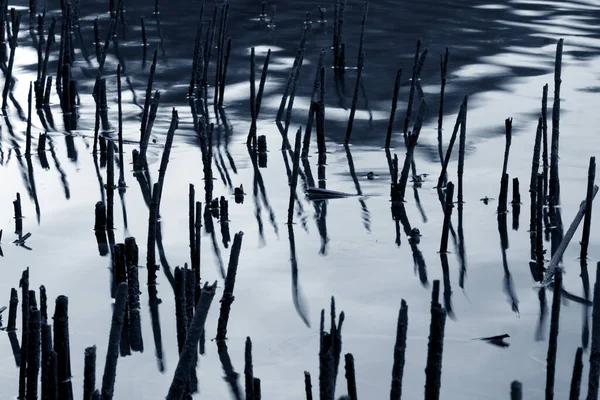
353,246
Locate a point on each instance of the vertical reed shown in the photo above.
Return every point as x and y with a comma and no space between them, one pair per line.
112,352
585,239
361,60
443,73
388,138
248,370
294,180
435,347
24,285
503,196
228,297
350,376
89,373
594,375
191,343
62,348
462,139
516,390
554,184
577,374
553,338
399,352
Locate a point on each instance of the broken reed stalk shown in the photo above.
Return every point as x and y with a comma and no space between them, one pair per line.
413,82
553,265
553,337
320,115
110,186
18,215
443,74
12,310
290,105
144,38
516,390
120,128
15,24
539,227
133,284
100,217
594,375
296,65
24,285
544,117
535,166
435,347
180,307
167,152
399,352
192,223
459,119
261,85
577,374
248,369
152,227
361,61
253,114
447,218
196,264
224,72
228,297
308,386
585,239
554,184
33,352
46,349
62,347
350,376
313,105
28,129
462,140
388,138
184,364
89,373
112,352
503,196
143,136
294,180
411,143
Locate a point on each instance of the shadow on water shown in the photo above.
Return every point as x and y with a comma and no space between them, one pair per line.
508,284
299,302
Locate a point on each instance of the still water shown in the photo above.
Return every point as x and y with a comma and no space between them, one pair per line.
501,55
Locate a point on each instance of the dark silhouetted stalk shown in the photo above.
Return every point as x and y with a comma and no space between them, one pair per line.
313,105
553,337
503,196
577,373
24,285
143,136
227,298
435,347
167,152
249,370
112,352
294,180
399,352
516,390
46,349
544,116
120,129
152,226
361,61
350,376
191,343
443,73
89,373
12,311
388,138
585,239
33,352
308,386
459,119
133,284
554,184
462,139
594,376
180,307
62,348
110,186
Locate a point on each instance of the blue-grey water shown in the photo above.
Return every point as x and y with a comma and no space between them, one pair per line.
501,55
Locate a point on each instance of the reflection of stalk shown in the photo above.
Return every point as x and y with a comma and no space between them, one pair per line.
435,347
